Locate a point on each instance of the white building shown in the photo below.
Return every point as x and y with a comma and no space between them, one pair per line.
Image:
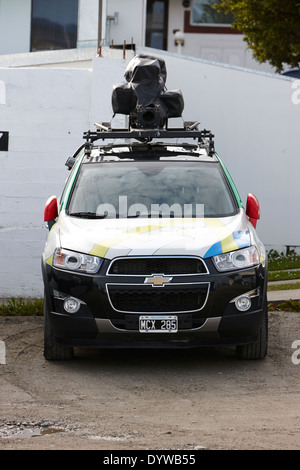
190,27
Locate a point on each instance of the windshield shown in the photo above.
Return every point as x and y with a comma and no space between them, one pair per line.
151,189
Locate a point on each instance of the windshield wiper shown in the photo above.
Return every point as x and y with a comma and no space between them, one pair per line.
87,215
149,214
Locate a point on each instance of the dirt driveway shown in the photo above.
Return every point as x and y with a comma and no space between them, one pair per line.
149,399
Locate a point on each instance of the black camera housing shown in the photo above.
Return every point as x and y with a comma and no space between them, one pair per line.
144,97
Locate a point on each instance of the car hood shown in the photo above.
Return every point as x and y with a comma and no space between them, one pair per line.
110,238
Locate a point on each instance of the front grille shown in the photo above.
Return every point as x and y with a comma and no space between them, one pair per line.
141,299
157,265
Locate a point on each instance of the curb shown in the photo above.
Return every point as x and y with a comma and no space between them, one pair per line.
283,295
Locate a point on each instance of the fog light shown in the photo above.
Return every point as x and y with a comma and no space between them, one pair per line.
71,305
243,303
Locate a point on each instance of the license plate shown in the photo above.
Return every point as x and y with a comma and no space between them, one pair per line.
158,324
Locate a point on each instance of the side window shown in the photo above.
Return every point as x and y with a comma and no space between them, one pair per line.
54,24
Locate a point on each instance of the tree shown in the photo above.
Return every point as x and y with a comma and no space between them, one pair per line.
271,28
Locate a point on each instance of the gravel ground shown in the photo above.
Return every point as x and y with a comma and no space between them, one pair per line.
188,400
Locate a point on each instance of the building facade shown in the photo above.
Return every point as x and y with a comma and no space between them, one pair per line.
189,27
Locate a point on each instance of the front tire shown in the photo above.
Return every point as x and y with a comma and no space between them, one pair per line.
52,350
259,349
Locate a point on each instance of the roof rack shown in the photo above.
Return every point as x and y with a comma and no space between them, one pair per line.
189,130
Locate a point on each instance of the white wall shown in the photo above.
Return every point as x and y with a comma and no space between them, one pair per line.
131,21
257,130
87,32
46,111
15,20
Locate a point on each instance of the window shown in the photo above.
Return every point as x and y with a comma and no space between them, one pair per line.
157,23
151,189
204,13
54,24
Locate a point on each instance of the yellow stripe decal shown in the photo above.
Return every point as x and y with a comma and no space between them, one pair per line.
228,243
49,260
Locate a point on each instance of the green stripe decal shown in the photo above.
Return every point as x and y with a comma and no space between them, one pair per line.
232,185
71,182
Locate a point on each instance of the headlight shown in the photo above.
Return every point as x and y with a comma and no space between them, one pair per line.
237,259
73,261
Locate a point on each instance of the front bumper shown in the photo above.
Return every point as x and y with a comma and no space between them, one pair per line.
106,321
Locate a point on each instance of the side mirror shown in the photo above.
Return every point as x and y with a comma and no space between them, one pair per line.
252,209
51,211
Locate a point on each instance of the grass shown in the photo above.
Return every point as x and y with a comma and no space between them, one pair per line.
21,307
283,275
279,261
283,268
285,286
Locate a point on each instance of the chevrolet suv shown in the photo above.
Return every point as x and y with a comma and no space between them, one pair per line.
150,245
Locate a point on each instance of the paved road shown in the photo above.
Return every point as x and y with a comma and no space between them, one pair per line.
283,295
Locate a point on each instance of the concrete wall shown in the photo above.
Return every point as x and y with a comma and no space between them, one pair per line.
254,116
256,121
45,112
15,21
87,33
131,21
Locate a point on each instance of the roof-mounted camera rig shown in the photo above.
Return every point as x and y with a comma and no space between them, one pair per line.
148,105
144,97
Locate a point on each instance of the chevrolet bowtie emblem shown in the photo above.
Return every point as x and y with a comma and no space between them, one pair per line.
158,280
